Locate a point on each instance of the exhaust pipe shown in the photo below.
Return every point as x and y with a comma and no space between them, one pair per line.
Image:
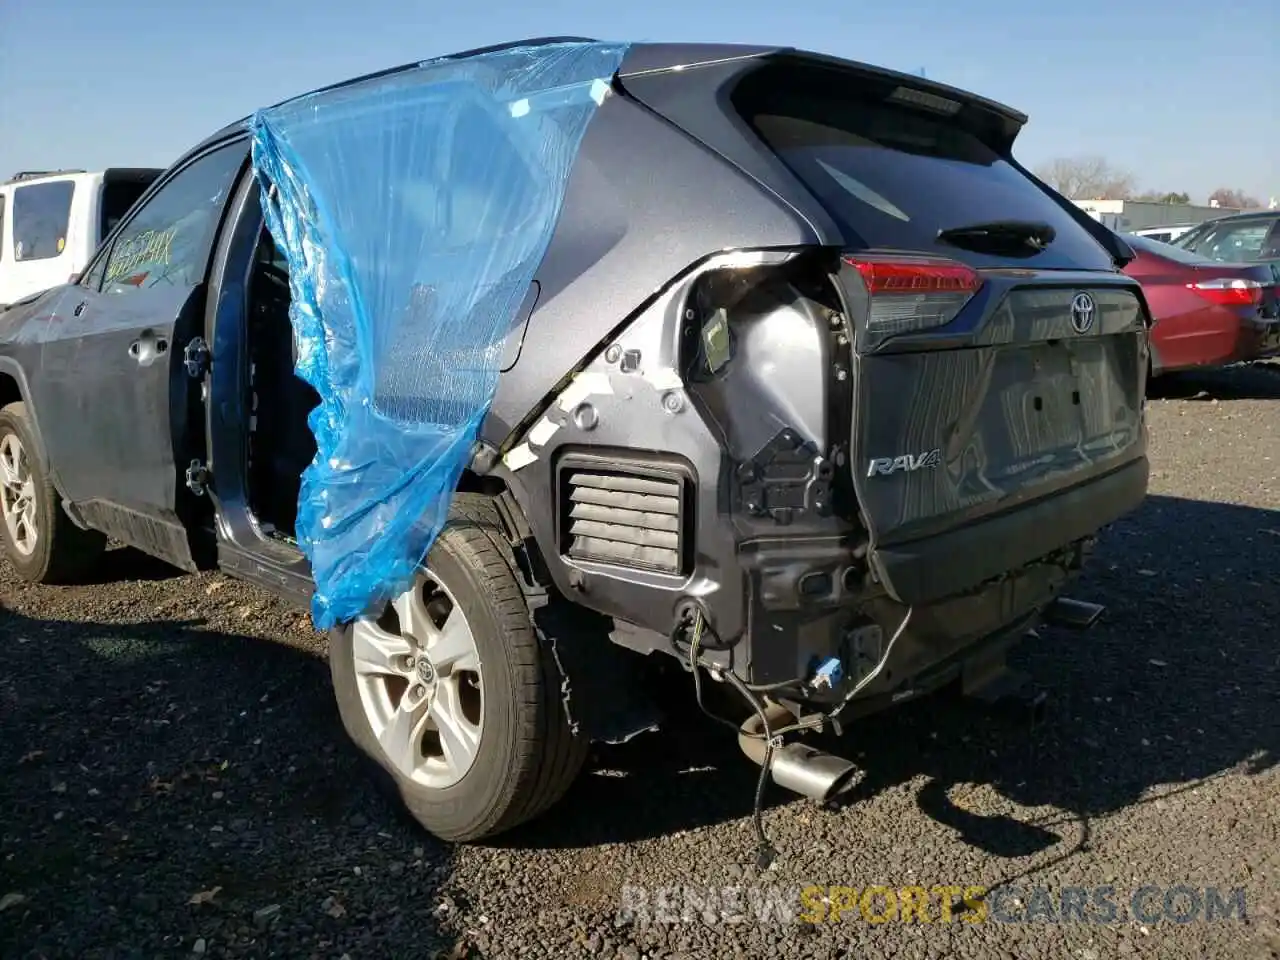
795,766
1073,614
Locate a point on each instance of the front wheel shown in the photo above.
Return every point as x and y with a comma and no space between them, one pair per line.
449,692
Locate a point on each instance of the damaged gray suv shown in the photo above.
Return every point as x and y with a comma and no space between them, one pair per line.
813,388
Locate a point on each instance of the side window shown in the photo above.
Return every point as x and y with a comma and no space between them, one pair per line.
41,214
167,242
2,244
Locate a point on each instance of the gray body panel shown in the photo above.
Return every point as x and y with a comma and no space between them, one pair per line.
645,203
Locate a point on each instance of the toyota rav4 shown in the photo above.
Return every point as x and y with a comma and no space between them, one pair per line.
812,387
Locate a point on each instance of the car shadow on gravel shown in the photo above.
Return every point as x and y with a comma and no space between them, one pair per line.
161,784
126,564
1177,685
1245,381
686,775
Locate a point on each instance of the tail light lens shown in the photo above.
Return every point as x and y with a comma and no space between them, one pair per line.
908,294
1229,291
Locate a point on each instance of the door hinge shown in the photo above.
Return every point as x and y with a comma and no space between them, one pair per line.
196,357
198,477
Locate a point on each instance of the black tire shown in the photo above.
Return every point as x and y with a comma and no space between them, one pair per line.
63,552
527,757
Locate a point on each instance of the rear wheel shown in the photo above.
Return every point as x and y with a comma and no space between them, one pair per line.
39,539
448,691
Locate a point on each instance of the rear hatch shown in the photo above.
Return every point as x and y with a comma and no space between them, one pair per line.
999,354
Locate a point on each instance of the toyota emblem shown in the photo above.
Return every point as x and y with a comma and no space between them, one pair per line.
1083,310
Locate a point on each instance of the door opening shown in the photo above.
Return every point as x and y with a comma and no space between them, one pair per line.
281,444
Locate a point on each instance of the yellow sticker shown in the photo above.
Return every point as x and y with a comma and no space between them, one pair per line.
62,242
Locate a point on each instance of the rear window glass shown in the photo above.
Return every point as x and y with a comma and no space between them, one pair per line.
892,177
41,213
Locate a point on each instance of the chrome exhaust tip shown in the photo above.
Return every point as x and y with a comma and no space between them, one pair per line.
797,767
810,772
1073,614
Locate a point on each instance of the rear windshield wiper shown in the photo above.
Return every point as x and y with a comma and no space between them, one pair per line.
1035,234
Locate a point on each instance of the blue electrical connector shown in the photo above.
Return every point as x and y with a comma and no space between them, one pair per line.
829,673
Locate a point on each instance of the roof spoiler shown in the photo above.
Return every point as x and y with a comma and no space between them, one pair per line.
998,124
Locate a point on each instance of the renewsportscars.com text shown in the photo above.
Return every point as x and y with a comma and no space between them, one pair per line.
938,903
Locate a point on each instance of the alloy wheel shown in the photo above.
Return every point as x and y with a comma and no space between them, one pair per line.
420,681
18,496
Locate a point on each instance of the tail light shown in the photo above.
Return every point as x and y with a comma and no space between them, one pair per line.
1229,291
914,293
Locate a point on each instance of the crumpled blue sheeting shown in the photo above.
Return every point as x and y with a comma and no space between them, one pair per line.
414,210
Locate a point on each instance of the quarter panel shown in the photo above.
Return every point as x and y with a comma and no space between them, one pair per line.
644,203
22,328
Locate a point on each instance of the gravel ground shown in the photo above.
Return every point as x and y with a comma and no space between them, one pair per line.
174,780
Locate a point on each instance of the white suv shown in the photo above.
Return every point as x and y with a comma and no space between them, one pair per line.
1167,233
52,222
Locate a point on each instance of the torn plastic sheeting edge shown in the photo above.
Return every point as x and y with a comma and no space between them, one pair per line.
294,208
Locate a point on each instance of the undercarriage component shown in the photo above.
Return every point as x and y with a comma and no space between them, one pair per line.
1073,614
1010,694
603,690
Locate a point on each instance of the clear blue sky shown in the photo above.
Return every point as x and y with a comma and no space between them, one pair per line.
1184,94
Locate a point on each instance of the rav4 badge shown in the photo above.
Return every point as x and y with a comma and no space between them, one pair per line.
908,462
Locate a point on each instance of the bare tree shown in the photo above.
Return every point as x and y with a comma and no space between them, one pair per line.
1087,178
1234,198
1157,196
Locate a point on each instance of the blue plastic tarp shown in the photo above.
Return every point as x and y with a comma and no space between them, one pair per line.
414,210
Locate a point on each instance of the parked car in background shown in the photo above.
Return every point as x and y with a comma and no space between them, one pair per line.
1242,238
51,222
833,409
1207,313
1166,233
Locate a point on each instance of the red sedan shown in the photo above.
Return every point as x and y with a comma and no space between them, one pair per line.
1207,313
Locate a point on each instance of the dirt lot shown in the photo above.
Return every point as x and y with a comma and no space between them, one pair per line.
174,781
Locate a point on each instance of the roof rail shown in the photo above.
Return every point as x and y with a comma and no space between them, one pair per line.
35,174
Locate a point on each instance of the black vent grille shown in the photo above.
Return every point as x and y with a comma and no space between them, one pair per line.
625,519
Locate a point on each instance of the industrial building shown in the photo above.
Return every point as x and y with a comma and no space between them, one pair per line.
1130,215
